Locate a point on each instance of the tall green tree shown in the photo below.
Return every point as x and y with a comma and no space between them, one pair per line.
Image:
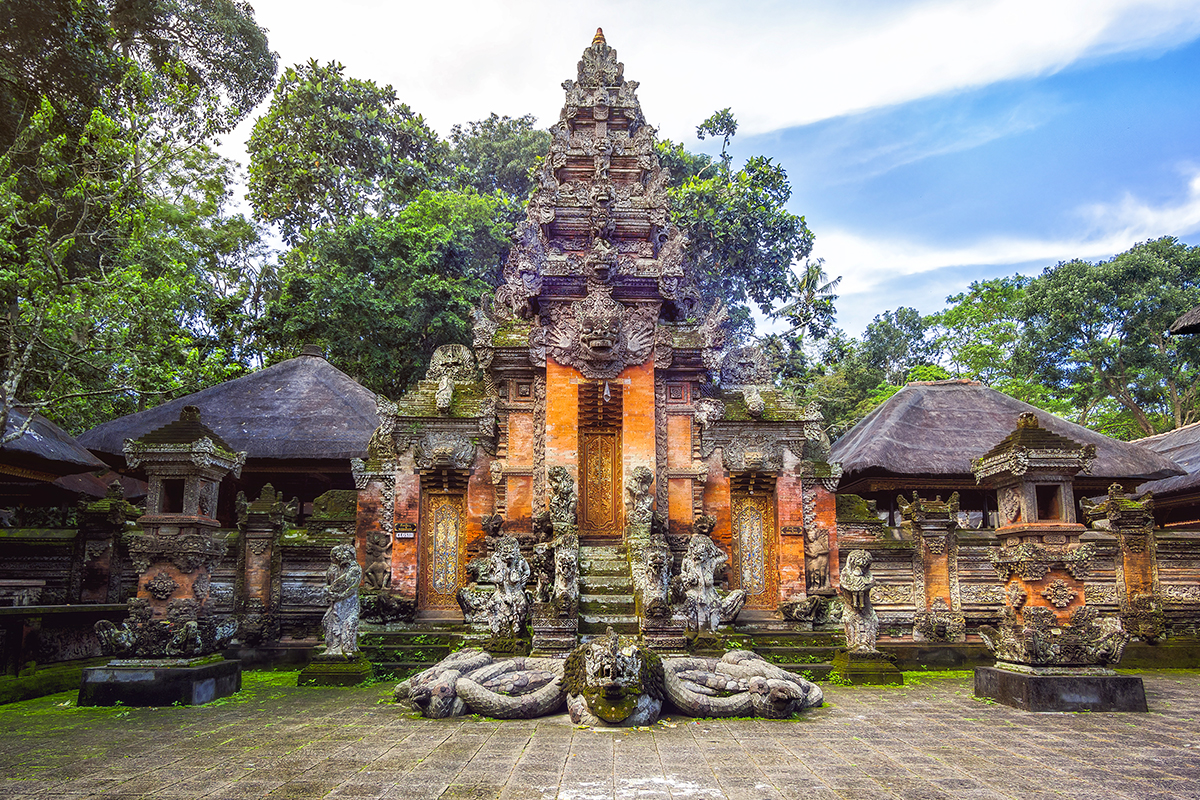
381,294
331,149
897,341
1097,331
498,154
745,246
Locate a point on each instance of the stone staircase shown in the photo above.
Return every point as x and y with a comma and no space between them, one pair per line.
605,591
404,652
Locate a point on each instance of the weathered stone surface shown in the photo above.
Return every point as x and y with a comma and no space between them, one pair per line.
156,682
1078,692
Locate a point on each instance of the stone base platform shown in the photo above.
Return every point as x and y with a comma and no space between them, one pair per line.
335,671
552,634
160,682
1061,692
874,669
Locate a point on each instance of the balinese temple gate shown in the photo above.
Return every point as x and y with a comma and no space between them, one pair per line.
598,356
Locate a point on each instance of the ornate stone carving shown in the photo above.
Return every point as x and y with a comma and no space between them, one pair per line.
753,453
506,608
638,500
816,559
539,445
599,336
939,624
745,366
471,682
1038,639
982,594
613,681
859,620
378,574
1059,594
440,449
564,498
340,623
161,586
703,606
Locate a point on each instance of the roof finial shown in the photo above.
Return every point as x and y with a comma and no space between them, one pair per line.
599,37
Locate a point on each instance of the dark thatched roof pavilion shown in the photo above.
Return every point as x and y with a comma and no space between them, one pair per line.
1189,323
44,452
299,421
928,432
1177,499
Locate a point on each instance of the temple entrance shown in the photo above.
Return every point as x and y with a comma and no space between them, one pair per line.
600,506
442,521
756,563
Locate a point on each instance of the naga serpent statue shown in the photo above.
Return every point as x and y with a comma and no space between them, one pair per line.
610,681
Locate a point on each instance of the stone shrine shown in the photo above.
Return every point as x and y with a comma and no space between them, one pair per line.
1052,649
168,650
599,414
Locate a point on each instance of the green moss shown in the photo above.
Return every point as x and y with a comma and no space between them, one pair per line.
852,508
513,333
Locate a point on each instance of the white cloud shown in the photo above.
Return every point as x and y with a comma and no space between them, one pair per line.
866,263
777,64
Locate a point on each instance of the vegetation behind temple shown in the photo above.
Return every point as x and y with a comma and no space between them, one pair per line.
129,280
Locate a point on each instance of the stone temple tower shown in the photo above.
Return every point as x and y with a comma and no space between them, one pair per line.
597,355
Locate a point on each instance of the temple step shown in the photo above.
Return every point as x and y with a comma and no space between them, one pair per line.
606,584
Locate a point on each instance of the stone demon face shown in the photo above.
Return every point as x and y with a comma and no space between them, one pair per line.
612,674
599,328
453,360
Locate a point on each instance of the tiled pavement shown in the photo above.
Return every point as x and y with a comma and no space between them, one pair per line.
928,739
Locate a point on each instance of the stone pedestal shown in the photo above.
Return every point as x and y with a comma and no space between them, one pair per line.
160,681
552,634
665,634
1062,690
867,668
335,671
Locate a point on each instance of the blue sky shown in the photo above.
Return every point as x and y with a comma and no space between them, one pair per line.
929,144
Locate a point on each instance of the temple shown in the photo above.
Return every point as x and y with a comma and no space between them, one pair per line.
598,356
601,462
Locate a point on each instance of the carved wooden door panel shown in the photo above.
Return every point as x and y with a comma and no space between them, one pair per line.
599,490
755,556
441,550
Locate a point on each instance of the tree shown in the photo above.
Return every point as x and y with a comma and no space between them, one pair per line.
382,294
99,260
331,149
742,241
215,46
1098,331
498,154
896,341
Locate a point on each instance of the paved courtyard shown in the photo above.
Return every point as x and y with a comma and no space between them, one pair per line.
929,739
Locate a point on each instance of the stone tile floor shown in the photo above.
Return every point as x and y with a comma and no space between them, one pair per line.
927,739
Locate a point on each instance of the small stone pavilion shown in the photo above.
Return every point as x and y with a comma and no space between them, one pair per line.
597,355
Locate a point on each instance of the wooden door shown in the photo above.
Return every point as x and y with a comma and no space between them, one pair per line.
442,535
600,481
756,564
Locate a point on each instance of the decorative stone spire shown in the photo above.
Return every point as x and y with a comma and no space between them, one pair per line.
597,262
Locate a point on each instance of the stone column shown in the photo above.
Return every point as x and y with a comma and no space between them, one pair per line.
933,527
99,565
259,587
1138,592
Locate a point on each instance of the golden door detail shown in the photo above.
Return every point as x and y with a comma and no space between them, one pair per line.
599,493
754,549
442,532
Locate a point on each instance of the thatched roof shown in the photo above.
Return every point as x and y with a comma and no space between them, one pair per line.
1182,446
300,409
45,448
1188,323
934,429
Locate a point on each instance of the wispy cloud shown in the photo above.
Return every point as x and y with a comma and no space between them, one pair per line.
777,64
867,263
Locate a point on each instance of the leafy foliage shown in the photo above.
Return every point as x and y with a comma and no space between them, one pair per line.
331,149
498,154
382,294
